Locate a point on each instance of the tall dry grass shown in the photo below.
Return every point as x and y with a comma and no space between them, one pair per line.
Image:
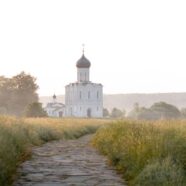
18,136
146,153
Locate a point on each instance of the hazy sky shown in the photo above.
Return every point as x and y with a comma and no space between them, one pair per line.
133,45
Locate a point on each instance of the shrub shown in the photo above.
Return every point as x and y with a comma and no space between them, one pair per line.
35,110
135,147
164,173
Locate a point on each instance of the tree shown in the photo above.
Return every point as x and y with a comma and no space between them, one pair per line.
35,110
124,112
4,91
165,110
147,114
116,113
183,112
105,112
159,110
136,106
134,113
24,88
17,92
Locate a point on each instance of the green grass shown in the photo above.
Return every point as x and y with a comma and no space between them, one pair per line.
18,136
146,153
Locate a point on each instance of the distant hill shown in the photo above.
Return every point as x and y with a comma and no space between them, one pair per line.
126,101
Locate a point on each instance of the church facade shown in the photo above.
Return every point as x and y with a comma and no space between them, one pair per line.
83,98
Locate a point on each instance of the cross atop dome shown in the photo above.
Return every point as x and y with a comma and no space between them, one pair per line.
83,45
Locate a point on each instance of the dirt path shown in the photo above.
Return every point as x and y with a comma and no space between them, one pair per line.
71,162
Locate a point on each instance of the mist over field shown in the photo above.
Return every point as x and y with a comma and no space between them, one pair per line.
127,101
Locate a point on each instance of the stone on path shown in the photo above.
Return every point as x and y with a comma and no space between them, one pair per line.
68,163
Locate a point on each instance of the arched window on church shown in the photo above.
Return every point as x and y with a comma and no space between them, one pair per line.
88,94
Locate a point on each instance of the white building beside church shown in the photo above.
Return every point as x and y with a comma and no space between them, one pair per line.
54,108
83,98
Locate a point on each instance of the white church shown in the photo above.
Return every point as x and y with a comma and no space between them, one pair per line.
83,98
55,108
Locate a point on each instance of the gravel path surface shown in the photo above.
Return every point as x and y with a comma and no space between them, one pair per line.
70,162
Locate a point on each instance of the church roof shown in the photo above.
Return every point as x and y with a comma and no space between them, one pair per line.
83,62
55,105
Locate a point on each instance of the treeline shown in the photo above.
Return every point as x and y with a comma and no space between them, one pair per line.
159,110
115,113
18,95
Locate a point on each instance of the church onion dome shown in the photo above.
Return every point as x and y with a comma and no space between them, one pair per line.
83,62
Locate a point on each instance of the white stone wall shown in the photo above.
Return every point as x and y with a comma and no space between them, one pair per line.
83,74
79,97
55,110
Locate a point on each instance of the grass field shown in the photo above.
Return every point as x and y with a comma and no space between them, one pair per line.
146,153
18,136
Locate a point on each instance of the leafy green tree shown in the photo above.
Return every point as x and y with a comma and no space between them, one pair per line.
24,88
165,111
124,112
116,113
17,92
136,107
134,113
35,110
183,112
145,113
159,110
105,112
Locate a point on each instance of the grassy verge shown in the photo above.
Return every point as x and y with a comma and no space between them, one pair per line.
17,136
146,153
